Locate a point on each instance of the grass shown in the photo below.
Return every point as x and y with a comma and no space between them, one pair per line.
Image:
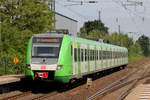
2,70
134,58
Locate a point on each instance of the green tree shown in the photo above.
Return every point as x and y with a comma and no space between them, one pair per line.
93,27
19,20
144,42
33,15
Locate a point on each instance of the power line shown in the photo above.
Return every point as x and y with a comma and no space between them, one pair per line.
139,31
72,11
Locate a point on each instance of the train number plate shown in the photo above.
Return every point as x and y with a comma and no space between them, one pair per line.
43,67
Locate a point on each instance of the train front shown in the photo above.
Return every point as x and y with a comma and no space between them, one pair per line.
42,55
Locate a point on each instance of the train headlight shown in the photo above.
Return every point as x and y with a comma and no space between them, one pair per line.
28,67
59,67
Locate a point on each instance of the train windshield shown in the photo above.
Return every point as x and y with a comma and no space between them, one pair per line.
42,50
45,47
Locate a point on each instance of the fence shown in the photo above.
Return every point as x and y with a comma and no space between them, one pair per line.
7,66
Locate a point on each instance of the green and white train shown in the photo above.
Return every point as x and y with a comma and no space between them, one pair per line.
60,57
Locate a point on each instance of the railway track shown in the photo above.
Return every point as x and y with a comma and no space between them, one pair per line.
114,86
121,83
29,93
17,96
127,91
45,96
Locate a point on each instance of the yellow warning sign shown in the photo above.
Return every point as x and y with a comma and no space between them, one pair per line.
15,60
74,43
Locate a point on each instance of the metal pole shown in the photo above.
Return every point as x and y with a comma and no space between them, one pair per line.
99,14
119,29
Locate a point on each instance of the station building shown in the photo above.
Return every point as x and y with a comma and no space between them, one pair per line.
67,23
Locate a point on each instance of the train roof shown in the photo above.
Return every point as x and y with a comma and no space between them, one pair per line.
86,41
48,35
79,40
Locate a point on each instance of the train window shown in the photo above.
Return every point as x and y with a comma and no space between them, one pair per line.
75,54
108,55
115,54
120,54
82,55
85,54
79,54
103,54
93,54
97,54
88,51
90,54
111,55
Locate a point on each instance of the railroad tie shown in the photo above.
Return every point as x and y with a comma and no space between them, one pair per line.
145,94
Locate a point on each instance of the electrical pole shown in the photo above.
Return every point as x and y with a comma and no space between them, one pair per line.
99,19
99,15
119,29
51,4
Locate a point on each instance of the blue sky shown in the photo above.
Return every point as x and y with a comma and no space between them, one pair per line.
130,20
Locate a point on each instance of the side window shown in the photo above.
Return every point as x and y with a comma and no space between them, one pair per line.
115,54
90,54
82,54
103,54
107,54
93,54
78,54
88,51
99,54
75,54
85,54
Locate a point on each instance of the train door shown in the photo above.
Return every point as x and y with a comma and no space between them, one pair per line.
112,57
104,57
108,57
83,62
75,54
115,57
92,62
98,60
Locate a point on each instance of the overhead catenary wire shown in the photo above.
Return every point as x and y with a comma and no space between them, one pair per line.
73,11
132,19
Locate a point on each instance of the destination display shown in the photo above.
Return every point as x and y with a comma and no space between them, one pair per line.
46,40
